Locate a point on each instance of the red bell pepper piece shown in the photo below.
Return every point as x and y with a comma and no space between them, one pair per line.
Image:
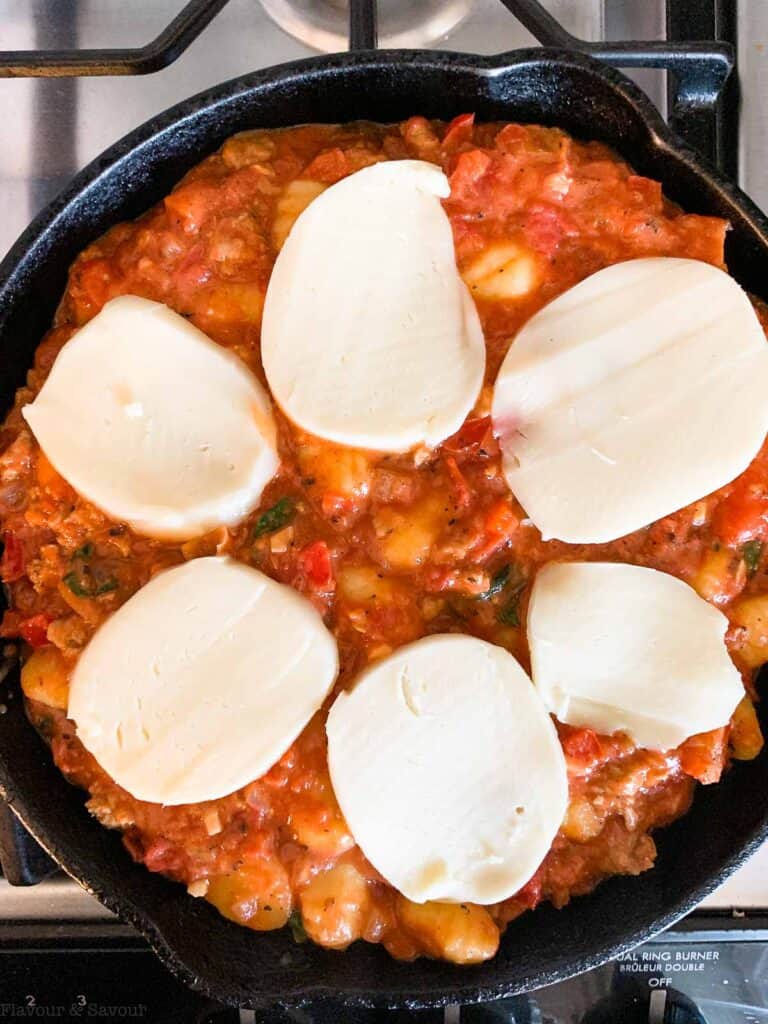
458,131
580,744
703,756
315,563
35,630
462,495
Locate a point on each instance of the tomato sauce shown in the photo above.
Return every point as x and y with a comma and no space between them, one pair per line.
388,547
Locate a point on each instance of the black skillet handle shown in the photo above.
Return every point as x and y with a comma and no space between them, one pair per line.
699,56
22,860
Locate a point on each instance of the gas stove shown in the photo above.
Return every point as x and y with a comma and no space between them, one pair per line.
78,74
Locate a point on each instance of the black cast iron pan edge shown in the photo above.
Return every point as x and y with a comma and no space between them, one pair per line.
463,992
364,975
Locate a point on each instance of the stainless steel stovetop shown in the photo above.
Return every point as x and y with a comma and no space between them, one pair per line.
52,127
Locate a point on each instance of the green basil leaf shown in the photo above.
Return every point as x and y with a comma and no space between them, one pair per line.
499,580
107,587
80,589
752,552
296,925
73,582
85,551
510,581
508,615
275,518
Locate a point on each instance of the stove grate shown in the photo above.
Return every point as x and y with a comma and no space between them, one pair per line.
175,38
698,54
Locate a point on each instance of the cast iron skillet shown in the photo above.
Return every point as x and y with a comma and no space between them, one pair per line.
227,962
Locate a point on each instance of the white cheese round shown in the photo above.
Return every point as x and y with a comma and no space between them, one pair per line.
201,681
619,647
369,336
632,395
155,424
448,770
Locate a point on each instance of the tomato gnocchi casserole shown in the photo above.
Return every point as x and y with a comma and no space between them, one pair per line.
384,523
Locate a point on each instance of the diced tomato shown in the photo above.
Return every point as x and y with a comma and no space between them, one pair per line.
469,169
530,895
163,855
193,272
470,582
315,562
510,137
192,204
334,504
500,523
35,630
328,167
458,131
473,435
501,519
743,515
703,756
462,495
12,565
582,745
545,227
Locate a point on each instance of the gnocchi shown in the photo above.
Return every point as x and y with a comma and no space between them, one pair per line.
293,200
339,478
506,270
257,896
715,579
405,538
334,906
45,678
751,613
460,932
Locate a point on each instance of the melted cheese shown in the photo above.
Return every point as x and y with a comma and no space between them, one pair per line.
369,336
632,395
623,648
154,423
201,681
448,770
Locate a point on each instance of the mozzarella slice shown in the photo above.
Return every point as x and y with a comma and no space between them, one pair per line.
448,770
201,681
154,423
622,648
632,395
369,336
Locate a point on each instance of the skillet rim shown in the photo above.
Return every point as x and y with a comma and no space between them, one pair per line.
14,269
489,66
